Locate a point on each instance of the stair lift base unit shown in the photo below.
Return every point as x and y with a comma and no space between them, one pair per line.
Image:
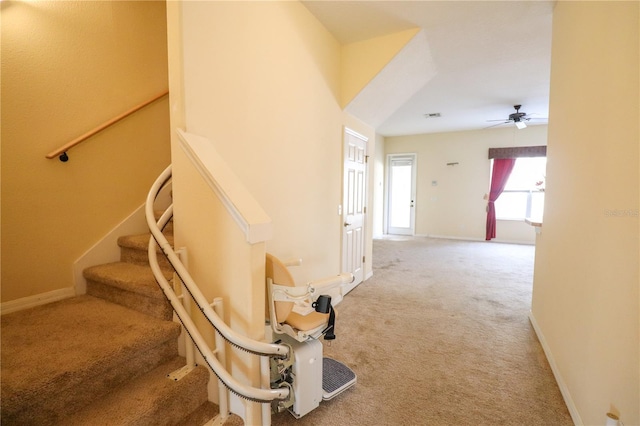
309,370
307,375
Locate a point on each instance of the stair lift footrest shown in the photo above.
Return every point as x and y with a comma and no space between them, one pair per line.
336,378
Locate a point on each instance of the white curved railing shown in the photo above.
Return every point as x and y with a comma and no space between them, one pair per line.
261,349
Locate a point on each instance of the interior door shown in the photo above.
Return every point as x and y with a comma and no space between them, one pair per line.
401,194
354,210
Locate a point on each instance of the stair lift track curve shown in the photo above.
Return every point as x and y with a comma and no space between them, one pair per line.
236,339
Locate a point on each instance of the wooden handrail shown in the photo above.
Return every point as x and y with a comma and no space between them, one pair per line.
62,151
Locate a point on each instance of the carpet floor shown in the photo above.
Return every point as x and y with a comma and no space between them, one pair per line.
440,335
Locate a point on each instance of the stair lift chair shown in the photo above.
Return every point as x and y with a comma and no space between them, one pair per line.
298,316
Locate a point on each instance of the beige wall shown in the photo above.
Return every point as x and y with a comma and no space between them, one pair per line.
585,294
67,67
378,188
455,207
262,82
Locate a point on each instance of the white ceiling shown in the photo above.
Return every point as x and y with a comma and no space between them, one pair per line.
472,61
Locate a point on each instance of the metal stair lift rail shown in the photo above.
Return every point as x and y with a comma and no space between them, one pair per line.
261,349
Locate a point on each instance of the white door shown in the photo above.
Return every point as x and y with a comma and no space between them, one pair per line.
401,194
354,210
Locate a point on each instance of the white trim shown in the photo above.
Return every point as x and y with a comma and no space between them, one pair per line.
450,237
356,134
564,390
242,207
521,242
36,300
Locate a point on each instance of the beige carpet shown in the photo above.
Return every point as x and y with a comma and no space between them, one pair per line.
440,335
102,358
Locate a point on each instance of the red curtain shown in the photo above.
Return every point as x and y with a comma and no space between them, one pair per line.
501,170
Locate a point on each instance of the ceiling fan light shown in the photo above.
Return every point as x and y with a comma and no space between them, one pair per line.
520,125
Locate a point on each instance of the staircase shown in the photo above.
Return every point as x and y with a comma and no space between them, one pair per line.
102,358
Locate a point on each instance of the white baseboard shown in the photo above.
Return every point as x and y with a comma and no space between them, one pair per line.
524,243
36,300
449,237
495,240
564,390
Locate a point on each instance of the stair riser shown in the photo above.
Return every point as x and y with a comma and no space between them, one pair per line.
157,308
141,257
205,412
44,408
175,409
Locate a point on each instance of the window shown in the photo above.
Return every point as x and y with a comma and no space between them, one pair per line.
523,196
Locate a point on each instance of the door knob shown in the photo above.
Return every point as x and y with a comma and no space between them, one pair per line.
346,224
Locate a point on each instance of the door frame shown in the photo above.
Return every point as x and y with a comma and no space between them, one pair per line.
387,199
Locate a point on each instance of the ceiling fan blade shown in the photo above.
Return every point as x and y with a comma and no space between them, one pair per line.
503,120
495,125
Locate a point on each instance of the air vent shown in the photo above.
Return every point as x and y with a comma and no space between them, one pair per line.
432,115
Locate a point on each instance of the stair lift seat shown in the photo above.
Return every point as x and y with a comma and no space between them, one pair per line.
290,306
294,320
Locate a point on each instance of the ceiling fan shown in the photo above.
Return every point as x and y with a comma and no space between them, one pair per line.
518,118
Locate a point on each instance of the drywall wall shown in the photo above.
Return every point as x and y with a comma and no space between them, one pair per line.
585,292
261,81
454,206
66,68
378,188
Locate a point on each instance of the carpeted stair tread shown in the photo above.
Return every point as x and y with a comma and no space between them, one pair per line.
127,276
57,357
130,285
151,399
135,249
140,241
